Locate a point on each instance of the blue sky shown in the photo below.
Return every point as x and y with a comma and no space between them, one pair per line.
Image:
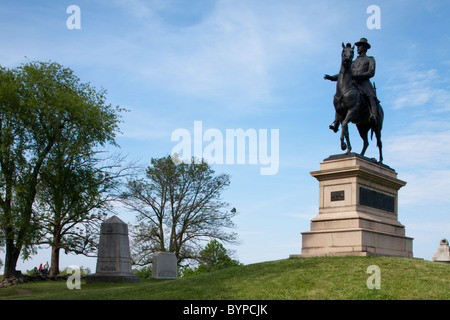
259,65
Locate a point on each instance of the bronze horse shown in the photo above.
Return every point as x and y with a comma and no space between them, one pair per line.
351,106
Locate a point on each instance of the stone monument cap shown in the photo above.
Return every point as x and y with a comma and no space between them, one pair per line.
114,225
113,219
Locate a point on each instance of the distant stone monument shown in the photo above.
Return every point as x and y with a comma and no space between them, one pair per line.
164,265
358,204
114,258
443,253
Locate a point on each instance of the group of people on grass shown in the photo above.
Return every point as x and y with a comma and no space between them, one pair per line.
42,269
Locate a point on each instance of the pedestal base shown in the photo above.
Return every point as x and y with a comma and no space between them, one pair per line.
358,200
355,242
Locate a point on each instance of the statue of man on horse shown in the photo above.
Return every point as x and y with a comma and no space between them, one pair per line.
355,99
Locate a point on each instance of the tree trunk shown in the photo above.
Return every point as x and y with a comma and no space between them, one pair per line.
54,269
11,257
13,250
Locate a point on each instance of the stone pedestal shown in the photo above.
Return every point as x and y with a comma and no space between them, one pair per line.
114,259
358,210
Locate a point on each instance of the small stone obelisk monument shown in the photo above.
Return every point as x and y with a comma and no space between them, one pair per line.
114,258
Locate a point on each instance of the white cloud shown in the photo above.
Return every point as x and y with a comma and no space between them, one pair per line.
420,152
230,55
429,187
420,155
138,8
417,88
422,149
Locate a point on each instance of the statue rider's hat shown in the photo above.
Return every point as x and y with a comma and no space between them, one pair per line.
363,42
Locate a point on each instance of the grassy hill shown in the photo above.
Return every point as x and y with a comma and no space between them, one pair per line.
290,279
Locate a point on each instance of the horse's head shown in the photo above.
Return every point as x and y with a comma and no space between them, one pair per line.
347,54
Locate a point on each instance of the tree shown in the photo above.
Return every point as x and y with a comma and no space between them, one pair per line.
1,250
213,257
178,208
40,104
72,201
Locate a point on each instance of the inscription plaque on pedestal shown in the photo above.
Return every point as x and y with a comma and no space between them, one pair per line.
376,199
337,195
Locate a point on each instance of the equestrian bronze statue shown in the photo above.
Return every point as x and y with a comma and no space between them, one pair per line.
355,99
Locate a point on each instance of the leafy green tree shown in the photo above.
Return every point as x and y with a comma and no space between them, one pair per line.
213,257
144,272
41,104
178,207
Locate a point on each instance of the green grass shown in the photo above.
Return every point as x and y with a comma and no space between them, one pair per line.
290,279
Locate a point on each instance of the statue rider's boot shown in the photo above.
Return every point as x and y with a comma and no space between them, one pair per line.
335,126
